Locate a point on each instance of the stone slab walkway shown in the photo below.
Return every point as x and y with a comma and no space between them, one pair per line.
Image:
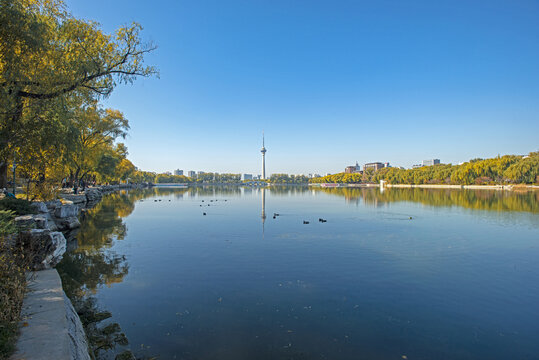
49,327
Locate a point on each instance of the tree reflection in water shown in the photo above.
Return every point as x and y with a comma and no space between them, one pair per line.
93,264
493,200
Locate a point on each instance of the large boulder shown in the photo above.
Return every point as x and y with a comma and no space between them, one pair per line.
93,195
74,198
53,204
40,207
40,221
25,222
50,224
66,210
68,223
45,247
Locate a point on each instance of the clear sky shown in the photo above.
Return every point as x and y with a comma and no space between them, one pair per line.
330,82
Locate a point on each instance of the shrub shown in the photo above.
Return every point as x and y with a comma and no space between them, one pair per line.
12,284
42,190
6,222
19,206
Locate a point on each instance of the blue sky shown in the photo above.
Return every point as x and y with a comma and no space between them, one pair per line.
330,82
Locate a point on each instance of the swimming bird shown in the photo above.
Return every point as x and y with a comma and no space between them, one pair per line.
305,222
275,214
203,213
322,220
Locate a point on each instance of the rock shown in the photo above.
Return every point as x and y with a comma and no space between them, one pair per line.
75,198
93,195
78,345
66,210
25,222
53,204
72,243
69,223
51,224
47,247
40,207
41,222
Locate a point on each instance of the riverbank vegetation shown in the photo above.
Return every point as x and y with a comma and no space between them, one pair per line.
288,179
508,169
13,267
201,178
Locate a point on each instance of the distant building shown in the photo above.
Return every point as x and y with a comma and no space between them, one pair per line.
373,166
168,173
431,162
191,174
416,166
247,177
353,169
200,173
387,164
178,172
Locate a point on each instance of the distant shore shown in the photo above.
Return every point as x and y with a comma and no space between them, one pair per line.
440,186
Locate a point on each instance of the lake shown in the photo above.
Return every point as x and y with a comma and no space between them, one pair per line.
398,274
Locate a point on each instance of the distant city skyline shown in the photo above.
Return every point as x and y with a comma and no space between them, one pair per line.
329,83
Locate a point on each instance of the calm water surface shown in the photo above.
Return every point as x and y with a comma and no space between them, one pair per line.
421,274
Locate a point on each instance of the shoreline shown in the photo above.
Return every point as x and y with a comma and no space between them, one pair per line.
515,187
45,304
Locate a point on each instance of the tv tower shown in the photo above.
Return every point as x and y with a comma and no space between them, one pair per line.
263,151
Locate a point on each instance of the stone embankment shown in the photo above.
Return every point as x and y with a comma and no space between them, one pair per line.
50,327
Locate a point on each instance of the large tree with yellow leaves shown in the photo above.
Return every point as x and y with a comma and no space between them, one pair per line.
46,54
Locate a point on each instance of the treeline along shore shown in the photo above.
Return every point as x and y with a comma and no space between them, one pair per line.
495,172
501,170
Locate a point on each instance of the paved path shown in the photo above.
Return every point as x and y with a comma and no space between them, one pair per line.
48,326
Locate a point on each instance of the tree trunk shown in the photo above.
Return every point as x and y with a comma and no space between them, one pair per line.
12,120
3,174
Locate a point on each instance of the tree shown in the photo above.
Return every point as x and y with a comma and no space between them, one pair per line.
92,133
46,53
